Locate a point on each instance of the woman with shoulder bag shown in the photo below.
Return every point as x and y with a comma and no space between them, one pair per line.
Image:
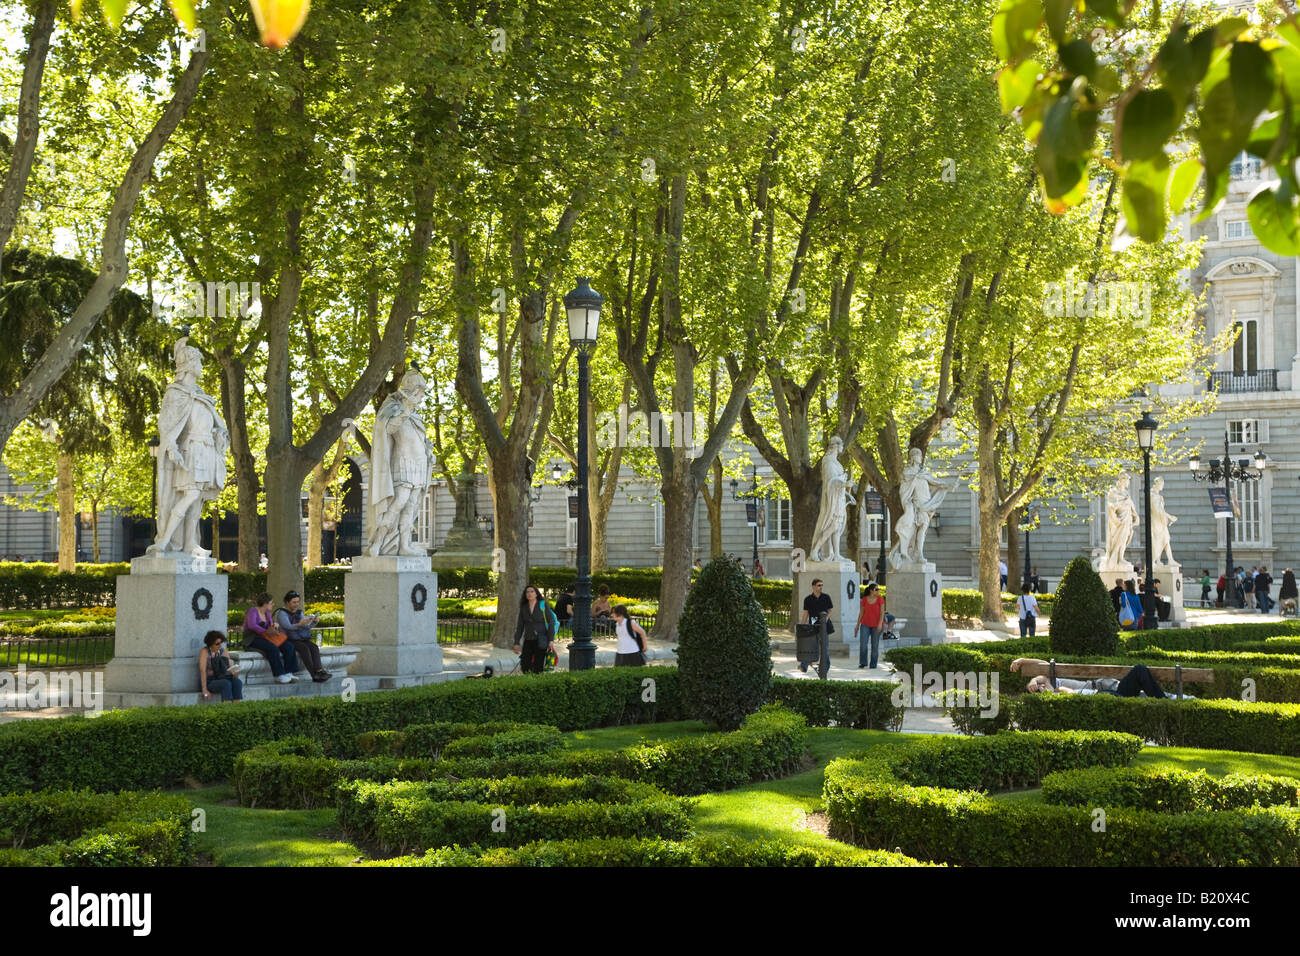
1027,606
262,635
631,639
215,670
534,631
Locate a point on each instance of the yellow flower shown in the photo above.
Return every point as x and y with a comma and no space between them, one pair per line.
279,20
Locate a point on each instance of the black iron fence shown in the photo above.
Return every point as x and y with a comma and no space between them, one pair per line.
56,651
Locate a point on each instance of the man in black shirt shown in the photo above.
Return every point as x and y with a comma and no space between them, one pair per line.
1263,581
816,606
564,605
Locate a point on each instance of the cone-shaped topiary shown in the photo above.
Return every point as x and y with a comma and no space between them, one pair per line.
724,658
1083,617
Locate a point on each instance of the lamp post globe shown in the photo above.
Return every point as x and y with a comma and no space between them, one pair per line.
582,306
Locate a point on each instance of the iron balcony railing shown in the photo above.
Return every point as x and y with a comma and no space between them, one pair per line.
1262,380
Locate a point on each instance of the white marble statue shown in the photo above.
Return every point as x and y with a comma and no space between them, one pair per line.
831,514
1121,519
1160,522
192,442
401,468
922,494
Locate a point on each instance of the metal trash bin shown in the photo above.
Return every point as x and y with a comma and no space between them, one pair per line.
808,643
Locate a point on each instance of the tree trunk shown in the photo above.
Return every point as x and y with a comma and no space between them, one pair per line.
679,532
1015,560
247,481
315,514
29,120
66,345
68,516
712,495
283,525
511,509
216,532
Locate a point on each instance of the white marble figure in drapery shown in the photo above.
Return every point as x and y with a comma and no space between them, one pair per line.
192,443
831,514
1160,522
1121,519
922,493
401,468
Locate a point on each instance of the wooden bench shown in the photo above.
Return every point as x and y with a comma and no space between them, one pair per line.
1177,674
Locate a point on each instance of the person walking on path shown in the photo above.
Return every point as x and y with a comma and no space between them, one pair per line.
631,639
871,622
1205,587
1288,594
1263,583
533,628
1027,609
816,608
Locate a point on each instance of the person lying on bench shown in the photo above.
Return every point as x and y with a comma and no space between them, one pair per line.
1138,680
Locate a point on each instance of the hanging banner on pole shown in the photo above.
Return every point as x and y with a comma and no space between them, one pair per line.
875,503
1219,503
751,514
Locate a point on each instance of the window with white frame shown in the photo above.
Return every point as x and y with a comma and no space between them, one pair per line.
875,526
423,537
1245,347
778,520
659,524
1248,431
1237,229
570,532
1248,526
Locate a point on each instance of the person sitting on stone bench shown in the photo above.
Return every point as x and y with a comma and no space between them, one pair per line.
216,673
298,626
1139,680
262,635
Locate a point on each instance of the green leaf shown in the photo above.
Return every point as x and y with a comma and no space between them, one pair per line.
1016,84
1063,145
1216,187
1108,10
114,10
1225,31
1183,183
1079,58
183,10
1222,132
1149,120
1058,16
1014,27
1181,64
1145,186
1275,219
1253,79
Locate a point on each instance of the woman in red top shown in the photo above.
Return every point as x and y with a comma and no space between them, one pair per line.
871,621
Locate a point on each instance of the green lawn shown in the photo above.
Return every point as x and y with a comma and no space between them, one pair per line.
238,837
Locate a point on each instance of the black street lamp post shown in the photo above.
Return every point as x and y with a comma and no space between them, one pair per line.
752,496
1146,431
583,308
1228,471
1033,521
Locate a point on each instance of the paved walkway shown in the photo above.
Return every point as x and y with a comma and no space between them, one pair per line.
473,658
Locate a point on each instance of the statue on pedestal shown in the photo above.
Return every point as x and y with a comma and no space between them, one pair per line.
1160,522
831,515
922,493
1121,519
192,442
401,468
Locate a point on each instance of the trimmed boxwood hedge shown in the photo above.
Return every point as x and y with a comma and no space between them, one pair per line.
624,852
922,798
1167,791
165,746
81,828
294,774
1209,724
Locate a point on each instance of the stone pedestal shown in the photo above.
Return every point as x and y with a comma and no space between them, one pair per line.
392,618
915,592
1170,577
164,607
840,582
